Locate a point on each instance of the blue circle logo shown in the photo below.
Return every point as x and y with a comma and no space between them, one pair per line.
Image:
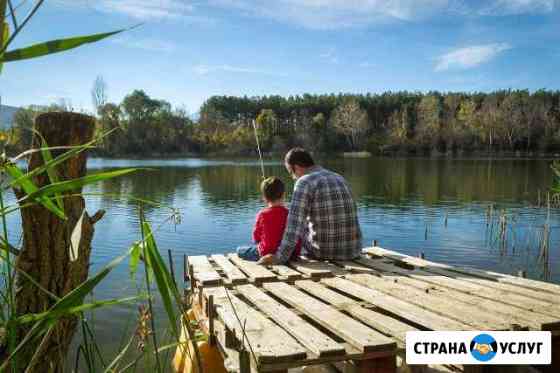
484,347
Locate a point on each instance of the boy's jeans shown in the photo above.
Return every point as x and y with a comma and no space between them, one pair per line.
250,253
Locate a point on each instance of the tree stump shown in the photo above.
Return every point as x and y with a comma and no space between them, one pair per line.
45,254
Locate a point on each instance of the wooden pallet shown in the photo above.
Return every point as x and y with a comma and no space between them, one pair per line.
357,312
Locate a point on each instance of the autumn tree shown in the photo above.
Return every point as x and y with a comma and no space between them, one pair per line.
351,121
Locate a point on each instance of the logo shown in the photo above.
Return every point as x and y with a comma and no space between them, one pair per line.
484,347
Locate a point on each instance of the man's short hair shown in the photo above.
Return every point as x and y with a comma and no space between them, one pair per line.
272,188
299,157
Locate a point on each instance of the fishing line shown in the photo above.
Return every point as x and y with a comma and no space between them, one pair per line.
259,149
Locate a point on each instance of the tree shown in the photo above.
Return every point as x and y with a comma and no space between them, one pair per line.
350,120
22,127
429,113
267,127
99,93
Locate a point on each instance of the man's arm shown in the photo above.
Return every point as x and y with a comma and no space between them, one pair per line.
299,210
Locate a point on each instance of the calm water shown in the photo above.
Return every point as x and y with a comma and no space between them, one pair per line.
439,207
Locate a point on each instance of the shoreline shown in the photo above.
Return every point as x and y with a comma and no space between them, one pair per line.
479,155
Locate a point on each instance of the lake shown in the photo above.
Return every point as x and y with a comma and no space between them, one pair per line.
440,207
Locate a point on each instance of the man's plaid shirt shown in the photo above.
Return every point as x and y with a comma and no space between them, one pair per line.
324,215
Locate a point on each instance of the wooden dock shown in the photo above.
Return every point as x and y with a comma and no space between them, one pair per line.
354,315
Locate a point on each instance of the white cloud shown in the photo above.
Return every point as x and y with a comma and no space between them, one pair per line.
330,56
146,9
152,45
206,69
468,57
328,14
514,7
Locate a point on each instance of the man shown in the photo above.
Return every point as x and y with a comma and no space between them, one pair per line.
322,214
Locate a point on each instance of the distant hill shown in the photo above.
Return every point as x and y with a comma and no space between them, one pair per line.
7,116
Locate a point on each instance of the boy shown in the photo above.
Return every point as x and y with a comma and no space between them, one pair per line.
270,223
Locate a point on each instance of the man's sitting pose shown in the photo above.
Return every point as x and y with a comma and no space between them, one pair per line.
322,213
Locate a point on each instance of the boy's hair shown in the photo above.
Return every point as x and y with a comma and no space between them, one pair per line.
299,157
272,188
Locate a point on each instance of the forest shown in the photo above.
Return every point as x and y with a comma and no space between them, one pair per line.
503,121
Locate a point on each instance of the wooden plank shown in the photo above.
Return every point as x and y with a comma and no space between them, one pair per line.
385,324
231,359
366,340
402,309
269,342
513,299
204,273
495,276
315,268
232,272
256,272
356,267
439,303
305,333
535,321
286,272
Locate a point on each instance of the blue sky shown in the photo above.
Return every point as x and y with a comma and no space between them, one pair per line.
187,51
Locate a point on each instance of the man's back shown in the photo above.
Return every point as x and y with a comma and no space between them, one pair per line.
323,213
333,228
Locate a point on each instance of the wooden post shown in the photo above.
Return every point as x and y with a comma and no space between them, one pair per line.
191,276
46,253
244,361
210,312
200,298
185,268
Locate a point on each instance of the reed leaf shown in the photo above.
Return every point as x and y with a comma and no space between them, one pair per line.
134,258
74,150
54,315
54,46
164,282
71,185
73,299
51,171
5,30
29,188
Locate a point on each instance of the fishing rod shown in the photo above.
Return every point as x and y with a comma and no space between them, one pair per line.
259,148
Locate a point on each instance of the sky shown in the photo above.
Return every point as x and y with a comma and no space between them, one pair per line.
186,51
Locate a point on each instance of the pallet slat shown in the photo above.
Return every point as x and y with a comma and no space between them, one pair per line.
518,315
499,277
438,303
405,310
366,340
517,300
385,324
269,342
204,273
286,272
315,340
231,271
254,271
314,268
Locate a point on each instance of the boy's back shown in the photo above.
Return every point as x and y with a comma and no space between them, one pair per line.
269,229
